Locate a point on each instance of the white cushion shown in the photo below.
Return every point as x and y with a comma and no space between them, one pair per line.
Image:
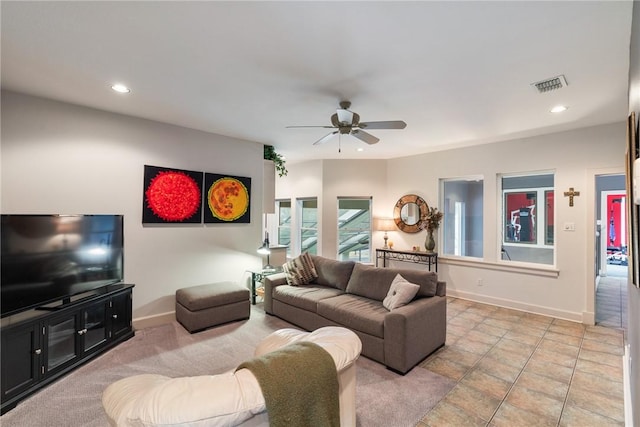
228,399
400,293
212,400
343,345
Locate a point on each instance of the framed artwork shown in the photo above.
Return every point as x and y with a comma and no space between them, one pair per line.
228,199
520,217
633,209
171,196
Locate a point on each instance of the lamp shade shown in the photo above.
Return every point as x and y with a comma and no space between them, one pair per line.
265,248
385,224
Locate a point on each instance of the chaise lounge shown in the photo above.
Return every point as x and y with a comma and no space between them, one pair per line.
233,398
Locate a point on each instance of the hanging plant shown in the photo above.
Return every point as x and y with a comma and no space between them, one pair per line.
278,160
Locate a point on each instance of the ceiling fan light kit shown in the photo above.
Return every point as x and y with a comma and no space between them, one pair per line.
348,123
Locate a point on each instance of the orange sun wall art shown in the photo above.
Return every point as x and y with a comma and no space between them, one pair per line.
228,199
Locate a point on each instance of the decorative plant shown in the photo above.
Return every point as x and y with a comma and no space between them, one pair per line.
278,160
432,220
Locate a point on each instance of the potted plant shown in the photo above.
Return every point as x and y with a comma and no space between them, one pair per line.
278,160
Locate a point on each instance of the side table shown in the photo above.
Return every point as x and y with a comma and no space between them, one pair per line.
257,277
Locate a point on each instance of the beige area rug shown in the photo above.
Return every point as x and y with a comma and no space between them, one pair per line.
383,397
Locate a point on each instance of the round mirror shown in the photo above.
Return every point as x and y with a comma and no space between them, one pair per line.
409,212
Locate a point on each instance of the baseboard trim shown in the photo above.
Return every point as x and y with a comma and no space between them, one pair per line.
155,320
589,318
517,305
626,383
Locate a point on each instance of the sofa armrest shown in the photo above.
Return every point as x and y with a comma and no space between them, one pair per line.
270,282
414,331
441,289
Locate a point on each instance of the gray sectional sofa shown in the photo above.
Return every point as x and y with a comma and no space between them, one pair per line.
350,294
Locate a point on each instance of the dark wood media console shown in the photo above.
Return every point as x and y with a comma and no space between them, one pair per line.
41,345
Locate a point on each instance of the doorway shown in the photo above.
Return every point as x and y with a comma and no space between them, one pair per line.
611,252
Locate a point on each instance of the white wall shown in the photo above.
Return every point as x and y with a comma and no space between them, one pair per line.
566,291
349,178
61,158
569,154
327,180
633,292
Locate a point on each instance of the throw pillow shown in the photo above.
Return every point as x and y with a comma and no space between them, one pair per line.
300,270
400,293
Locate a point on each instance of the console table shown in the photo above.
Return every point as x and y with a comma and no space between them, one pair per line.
417,257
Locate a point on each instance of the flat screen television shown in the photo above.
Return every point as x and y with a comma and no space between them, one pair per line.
50,258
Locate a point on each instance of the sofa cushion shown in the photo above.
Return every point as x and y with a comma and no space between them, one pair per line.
400,293
331,272
374,282
358,313
300,270
305,297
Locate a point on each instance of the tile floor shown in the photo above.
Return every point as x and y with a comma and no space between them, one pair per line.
611,298
520,369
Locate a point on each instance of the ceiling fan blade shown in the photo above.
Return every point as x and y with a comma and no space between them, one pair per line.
293,127
392,124
325,138
364,136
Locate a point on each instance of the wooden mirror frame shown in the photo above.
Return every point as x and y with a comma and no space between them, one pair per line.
422,207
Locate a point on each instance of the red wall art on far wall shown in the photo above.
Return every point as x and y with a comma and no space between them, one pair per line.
616,217
228,199
171,196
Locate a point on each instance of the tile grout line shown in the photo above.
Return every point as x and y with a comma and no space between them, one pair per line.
469,369
545,330
503,401
573,373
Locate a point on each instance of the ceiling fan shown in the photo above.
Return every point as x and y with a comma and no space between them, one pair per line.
348,123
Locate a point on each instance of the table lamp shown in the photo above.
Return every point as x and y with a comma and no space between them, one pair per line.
386,224
265,250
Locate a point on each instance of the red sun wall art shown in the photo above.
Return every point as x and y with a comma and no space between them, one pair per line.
171,196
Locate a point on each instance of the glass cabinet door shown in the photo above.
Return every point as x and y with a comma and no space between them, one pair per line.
61,342
94,325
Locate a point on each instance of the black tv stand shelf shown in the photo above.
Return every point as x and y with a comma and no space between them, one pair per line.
41,345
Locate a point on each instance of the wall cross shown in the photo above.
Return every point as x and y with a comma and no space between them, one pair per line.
571,193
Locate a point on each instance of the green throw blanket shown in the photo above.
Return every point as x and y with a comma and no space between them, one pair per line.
299,383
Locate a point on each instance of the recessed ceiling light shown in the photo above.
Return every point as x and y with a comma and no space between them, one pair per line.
120,88
558,109
360,149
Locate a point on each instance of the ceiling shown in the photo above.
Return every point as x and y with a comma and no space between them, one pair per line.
458,73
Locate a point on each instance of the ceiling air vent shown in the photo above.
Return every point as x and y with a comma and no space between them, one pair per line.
550,84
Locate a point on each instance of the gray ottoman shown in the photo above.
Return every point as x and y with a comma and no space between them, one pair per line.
200,307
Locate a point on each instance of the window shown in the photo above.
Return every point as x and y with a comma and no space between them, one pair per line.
284,223
308,209
528,218
462,221
354,229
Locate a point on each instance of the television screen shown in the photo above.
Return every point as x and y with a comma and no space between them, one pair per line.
49,258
